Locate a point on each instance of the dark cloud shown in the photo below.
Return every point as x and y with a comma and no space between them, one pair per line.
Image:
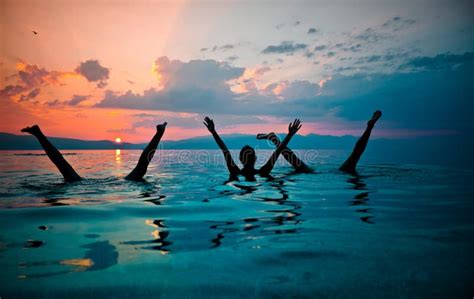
415,100
54,103
11,90
370,35
412,100
439,62
101,84
31,95
206,74
196,85
319,48
202,86
374,58
398,23
203,49
260,71
32,76
233,58
74,101
299,90
29,78
94,72
353,48
286,47
312,31
223,48
388,59
227,47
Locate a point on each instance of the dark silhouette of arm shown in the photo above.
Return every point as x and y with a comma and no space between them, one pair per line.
69,174
231,166
292,129
139,171
287,153
350,164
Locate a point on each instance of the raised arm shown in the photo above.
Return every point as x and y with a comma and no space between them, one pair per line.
231,166
292,129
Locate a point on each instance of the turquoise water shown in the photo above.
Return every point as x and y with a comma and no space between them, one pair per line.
394,231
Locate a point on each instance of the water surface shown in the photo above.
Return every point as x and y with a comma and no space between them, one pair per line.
393,231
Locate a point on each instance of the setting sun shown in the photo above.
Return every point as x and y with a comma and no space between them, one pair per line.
118,140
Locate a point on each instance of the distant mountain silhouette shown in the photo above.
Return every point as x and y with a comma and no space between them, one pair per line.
27,142
233,141
442,150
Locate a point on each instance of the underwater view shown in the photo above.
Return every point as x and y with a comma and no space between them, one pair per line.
393,231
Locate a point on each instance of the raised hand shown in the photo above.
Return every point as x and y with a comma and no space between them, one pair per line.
161,127
209,123
294,127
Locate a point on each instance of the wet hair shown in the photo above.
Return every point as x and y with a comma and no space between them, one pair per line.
247,156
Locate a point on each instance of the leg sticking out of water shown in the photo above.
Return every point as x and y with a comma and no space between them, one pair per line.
287,153
139,171
54,155
350,164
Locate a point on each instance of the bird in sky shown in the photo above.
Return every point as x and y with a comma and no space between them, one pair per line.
34,32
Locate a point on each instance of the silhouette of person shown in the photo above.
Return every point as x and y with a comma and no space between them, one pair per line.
68,172
348,166
247,154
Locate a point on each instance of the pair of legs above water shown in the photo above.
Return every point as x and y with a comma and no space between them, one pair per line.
348,166
70,175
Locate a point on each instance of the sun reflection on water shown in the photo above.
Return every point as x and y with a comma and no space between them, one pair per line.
118,158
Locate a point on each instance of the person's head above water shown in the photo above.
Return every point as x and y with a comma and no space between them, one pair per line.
247,156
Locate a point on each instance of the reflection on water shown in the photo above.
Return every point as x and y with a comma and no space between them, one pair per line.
184,226
117,156
361,199
98,256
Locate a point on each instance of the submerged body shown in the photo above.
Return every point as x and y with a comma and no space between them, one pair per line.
247,154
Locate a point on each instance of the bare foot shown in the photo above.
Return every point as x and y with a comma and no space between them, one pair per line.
161,127
375,117
32,130
268,136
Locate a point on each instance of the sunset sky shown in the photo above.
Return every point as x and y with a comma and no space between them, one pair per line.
107,69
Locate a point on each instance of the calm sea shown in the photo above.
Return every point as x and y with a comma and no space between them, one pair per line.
394,231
